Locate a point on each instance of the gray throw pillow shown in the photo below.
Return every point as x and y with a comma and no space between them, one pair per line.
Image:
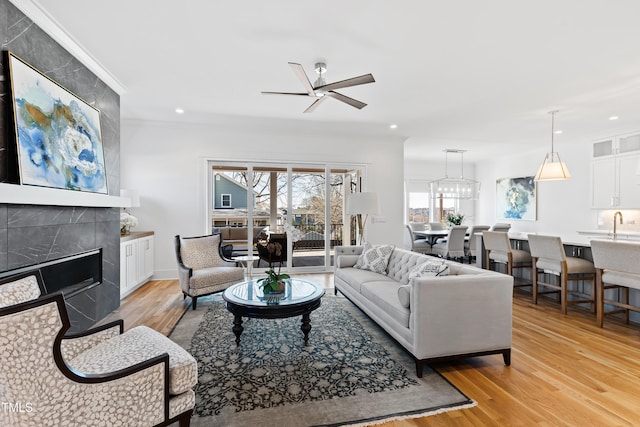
429,269
374,258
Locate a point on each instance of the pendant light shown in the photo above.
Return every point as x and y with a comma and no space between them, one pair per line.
552,168
454,188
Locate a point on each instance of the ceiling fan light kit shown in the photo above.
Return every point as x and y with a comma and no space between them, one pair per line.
321,90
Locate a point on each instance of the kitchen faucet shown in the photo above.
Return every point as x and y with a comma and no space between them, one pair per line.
615,233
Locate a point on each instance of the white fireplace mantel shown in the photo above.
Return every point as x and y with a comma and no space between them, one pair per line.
28,195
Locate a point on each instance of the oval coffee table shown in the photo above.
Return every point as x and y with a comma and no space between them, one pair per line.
246,299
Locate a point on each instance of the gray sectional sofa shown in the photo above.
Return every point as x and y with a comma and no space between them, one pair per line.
463,314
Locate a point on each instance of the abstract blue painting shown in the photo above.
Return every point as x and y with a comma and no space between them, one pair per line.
516,198
59,141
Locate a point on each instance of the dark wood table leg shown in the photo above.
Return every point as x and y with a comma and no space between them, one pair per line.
306,327
238,328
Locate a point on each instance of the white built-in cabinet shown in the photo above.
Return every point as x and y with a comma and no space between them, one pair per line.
615,172
136,261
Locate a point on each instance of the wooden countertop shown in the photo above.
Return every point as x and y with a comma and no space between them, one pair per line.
135,235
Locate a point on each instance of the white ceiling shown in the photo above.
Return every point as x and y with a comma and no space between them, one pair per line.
476,75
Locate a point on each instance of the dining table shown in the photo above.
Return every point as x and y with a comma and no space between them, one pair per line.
431,236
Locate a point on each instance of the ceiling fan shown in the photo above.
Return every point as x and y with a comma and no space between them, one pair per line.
321,90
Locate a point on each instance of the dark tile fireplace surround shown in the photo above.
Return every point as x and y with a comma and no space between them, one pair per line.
33,234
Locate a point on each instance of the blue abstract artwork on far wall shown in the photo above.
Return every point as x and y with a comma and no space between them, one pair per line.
516,198
59,141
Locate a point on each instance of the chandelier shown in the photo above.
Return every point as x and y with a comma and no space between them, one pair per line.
454,188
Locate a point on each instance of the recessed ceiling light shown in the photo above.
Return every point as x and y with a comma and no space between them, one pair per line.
393,126
614,118
179,111
558,132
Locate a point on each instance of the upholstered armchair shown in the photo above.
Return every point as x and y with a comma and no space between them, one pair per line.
201,267
100,377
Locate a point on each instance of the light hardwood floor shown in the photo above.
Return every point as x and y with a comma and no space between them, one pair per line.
565,370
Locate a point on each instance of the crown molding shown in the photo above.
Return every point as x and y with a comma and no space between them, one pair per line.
42,19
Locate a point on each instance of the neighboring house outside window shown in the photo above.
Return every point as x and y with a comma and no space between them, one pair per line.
225,200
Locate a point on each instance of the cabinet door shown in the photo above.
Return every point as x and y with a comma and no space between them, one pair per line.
123,269
603,183
131,264
629,181
145,258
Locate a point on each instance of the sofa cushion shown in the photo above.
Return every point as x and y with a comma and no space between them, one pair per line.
200,252
402,262
404,295
375,258
385,296
206,277
134,346
355,277
429,269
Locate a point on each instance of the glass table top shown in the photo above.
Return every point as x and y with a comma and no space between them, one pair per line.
296,291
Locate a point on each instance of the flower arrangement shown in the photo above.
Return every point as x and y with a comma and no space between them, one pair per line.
293,232
126,222
454,219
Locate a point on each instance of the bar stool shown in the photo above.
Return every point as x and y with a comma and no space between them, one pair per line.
548,255
616,268
498,249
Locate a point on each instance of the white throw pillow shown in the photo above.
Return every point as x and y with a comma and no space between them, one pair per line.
429,269
374,258
404,295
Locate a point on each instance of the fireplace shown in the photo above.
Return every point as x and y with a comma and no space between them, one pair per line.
78,277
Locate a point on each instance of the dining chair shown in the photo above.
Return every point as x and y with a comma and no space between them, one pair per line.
617,267
548,257
418,245
498,249
469,241
417,226
454,246
500,226
436,226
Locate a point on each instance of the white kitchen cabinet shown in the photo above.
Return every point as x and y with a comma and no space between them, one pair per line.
615,173
136,261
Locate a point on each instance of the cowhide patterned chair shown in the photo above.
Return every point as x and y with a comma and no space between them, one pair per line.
100,377
202,269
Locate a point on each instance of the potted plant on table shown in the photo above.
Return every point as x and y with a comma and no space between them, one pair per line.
274,282
454,219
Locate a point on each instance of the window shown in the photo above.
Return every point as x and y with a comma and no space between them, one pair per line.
225,200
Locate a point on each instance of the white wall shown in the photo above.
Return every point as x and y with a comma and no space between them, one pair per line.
166,162
562,206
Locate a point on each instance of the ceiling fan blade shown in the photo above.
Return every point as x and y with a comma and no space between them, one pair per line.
347,100
302,76
284,93
315,104
355,81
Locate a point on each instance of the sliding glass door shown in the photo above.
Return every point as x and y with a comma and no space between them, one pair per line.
302,204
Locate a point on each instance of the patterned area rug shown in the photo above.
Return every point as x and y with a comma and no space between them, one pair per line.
351,372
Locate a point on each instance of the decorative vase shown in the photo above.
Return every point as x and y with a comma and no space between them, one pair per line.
124,230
